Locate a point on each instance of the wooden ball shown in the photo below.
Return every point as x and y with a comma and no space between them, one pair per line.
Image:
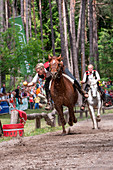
25,83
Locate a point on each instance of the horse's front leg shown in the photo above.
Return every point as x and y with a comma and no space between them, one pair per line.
63,122
92,113
99,111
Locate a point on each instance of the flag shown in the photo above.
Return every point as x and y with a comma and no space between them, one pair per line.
18,25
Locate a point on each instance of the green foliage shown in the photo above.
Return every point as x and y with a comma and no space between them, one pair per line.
11,52
105,46
14,57
33,51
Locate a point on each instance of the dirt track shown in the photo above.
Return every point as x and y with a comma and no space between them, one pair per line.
83,149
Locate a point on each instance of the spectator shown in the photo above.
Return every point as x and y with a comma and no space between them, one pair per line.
24,93
31,102
18,97
38,89
37,100
3,90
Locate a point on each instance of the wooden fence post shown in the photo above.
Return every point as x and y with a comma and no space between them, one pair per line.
37,123
14,117
59,122
103,110
67,117
86,113
54,121
81,114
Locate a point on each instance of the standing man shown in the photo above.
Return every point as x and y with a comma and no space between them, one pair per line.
3,90
17,96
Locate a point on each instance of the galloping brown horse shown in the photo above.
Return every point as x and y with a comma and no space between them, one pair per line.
62,91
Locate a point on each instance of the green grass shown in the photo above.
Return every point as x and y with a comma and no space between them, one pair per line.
29,128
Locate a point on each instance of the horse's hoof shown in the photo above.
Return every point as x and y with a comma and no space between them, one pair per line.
70,123
75,120
63,133
94,128
69,131
98,119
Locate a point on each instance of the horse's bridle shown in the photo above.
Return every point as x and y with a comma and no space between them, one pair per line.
92,90
55,69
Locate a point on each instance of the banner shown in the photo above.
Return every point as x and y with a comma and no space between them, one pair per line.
4,107
18,25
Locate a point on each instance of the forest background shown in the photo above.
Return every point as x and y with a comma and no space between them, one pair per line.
80,30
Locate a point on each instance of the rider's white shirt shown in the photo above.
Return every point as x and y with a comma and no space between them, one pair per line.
90,76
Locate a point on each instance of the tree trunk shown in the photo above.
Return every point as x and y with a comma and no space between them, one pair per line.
1,29
95,39
9,8
65,35
83,4
22,11
6,14
74,54
70,36
3,25
63,52
79,29
41,26
30,33
27,31
34,20
52,31
91,57
14,8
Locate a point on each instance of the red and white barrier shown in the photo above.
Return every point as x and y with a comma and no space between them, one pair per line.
13,130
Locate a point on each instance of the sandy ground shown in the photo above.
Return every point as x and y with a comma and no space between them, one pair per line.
83,149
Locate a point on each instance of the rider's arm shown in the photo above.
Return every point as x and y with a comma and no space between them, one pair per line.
84,79
35,79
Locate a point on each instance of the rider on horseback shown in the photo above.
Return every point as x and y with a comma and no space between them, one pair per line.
44,73
87,76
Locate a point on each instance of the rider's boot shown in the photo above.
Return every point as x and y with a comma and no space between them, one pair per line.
82,92
82,107
48,105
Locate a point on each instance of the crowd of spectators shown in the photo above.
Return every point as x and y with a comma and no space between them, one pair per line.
108,89
34,96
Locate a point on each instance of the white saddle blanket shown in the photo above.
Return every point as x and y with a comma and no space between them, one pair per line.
70,79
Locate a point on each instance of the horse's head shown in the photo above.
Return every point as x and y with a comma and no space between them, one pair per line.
93,87
55,65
